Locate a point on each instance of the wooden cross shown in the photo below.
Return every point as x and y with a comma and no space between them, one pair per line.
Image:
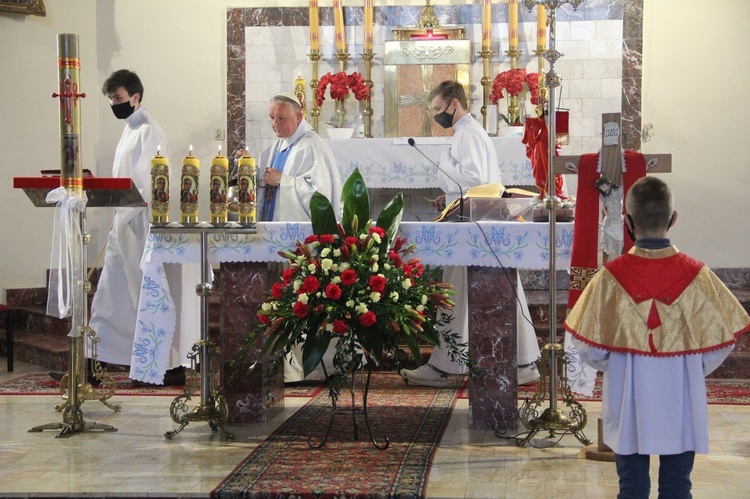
612,154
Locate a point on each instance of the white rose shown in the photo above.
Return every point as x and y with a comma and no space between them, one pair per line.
302,298
406,283
361,308
324,253
326,264
394,296
350,303
375,297
266,306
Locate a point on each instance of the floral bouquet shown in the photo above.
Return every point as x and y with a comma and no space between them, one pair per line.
341,83
355,283
515,82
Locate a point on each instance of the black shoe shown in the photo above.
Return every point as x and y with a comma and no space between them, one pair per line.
56,375
173,377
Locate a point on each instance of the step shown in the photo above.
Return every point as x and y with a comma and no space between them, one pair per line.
42,349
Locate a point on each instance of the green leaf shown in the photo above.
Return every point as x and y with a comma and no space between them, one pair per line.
411,342
322,215
390,218
313,349
355,201
373,341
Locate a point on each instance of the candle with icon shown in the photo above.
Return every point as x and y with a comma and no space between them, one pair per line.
218,194
246,186
189,188
159,188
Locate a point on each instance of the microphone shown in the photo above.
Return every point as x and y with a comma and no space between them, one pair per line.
412,143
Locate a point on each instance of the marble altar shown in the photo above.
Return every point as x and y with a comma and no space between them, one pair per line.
493,251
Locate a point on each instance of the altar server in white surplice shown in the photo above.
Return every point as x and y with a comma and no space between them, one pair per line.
115,306
470,161
297,165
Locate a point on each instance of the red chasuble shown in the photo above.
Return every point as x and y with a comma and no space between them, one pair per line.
658,303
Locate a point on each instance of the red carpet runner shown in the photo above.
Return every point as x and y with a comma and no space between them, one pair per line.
413,418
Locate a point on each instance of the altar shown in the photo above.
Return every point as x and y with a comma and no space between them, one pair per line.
393,163
492,251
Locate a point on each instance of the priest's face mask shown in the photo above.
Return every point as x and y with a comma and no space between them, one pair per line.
440,111
122,103
284,119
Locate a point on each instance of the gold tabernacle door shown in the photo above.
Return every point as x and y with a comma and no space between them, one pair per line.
416,61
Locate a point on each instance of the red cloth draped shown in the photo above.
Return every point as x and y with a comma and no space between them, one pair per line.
536,139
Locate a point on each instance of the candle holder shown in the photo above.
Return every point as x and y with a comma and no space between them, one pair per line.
342,56
514,110
486,54
368,56
553,363
314,56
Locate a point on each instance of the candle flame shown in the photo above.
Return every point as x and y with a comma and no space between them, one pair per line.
158,150
191,150
219,149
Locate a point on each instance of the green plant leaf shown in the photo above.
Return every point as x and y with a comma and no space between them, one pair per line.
374,341
411,342
355,201
322,215
390,218
313,349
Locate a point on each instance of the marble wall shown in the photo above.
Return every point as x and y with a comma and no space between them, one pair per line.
601,68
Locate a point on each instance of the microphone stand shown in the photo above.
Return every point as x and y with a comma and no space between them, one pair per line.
461,218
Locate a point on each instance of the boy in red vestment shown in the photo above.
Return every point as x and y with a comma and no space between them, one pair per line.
656,322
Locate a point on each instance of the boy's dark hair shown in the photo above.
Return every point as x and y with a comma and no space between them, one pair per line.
650,204
123,78
449,90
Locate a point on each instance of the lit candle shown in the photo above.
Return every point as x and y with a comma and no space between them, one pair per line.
159,188
486,24
541,27
513,24
218,195
314,26
189,188
246,194
368,24
338,22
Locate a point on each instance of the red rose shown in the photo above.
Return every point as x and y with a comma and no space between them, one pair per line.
300,309
309,285
351,240
311,239
348,277
277,290
377,283
264,319
367,319
340,327
333,291
326,238
378,230
288,274
418,270
393,256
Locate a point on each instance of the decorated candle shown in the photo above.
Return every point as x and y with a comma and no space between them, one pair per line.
541,27
218,193
189,188
159,188
486,24
314,26
246,186
513,24
338,23
368,24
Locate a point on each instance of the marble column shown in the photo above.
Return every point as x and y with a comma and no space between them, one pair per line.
243,288
492,342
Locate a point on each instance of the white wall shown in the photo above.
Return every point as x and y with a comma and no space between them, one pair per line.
695,95
179,49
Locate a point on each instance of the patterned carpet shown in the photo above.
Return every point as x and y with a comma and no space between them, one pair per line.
413,419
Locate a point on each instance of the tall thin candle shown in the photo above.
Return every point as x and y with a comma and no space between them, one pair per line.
338,22
314,26
368,24
541,27
486,24
513,24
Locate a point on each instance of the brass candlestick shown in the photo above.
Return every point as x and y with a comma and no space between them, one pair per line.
342,56
486,54
514,110
543,90
368,55
553,363
314,56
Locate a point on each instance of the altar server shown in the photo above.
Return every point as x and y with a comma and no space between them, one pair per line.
470,161
115,305
656,322
297,165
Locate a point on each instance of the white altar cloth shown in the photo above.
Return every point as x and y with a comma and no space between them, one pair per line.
515,244
392,162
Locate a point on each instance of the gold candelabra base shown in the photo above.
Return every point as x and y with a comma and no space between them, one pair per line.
553,419
213,407
74,389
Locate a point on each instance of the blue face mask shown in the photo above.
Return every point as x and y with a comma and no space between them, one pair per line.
444,119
